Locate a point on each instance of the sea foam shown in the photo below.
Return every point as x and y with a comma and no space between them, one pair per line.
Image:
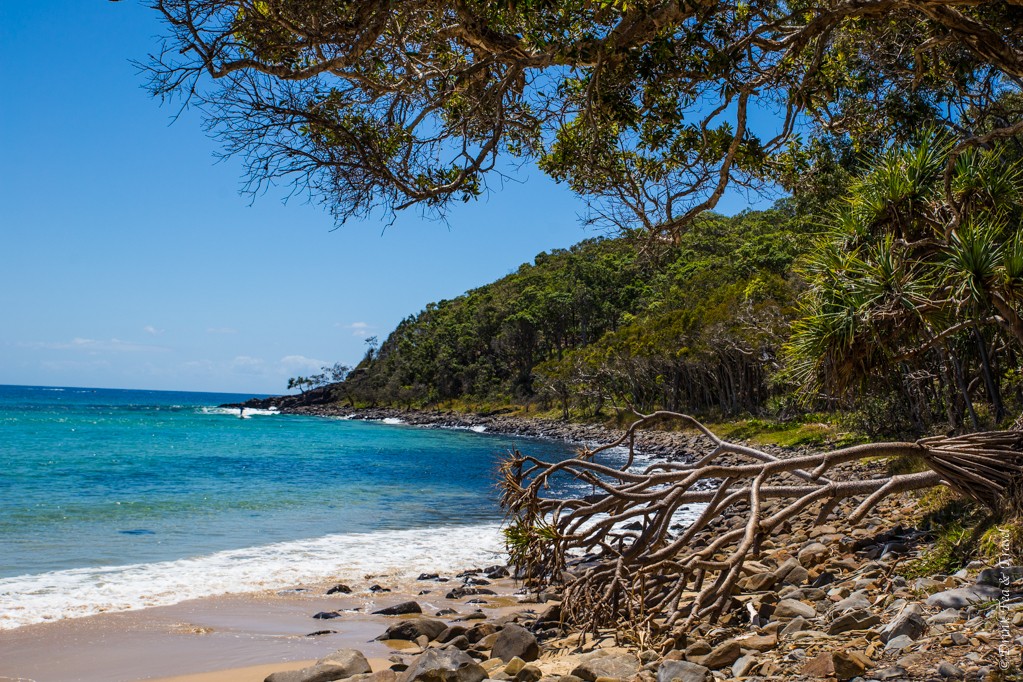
393,554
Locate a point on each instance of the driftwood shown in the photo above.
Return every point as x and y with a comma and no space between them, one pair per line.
614,553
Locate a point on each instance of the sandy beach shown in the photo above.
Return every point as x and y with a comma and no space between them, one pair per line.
241,637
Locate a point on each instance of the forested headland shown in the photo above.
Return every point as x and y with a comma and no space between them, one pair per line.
862,305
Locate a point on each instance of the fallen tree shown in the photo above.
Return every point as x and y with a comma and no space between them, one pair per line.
614,553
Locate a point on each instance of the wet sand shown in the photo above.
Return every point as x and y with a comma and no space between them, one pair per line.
237,636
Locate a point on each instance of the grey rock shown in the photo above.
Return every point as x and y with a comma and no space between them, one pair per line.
443,665
338,666
479,631
945,617
340,588
683,671
791,572
380,676
860,619
402,609
743,665
460,592
450,633
516,641
946,669
722,655
495,572
813,554
459,642
528,673
898,643
856,600
351,660
909,623
1000,576
604,664
893,673
414,628
790,608
927,585
795,625
961,597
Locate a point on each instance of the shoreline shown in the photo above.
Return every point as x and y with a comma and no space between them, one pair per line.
670,445
233,636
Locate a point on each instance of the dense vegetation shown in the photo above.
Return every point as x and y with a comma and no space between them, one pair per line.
692,325
889,301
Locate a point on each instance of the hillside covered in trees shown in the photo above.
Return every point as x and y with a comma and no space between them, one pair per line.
857,301
694,325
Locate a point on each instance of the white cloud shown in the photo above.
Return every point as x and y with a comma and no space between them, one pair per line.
98,346
221,330
151,330
294,364
358,328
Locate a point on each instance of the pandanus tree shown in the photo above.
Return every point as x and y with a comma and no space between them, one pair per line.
920,275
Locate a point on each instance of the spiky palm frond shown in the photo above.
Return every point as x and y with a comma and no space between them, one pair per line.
974,256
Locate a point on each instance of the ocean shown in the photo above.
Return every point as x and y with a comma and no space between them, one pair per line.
113,500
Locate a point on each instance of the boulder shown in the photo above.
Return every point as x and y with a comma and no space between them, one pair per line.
860,619
682,671
855,601
460,592
380,676
898,643
443,665
945,617
744,665
793,626
946,669
351,660
402,609
340,588
450,633
961,597
495,572
790,608
340,665
910,622
759,642
528,673
478,632
515,641
722,655
843,665
414,628
813,554
791,572
1001,576
606,664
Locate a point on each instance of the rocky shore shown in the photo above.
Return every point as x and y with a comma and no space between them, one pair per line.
832,604
835,602
668,444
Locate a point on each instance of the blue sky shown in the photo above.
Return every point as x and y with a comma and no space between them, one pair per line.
130,260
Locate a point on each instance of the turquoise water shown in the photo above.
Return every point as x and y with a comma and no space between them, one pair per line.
116,499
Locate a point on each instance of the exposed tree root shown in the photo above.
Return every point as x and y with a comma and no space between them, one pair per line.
614,551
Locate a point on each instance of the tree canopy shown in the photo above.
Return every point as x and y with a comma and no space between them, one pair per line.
648,108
